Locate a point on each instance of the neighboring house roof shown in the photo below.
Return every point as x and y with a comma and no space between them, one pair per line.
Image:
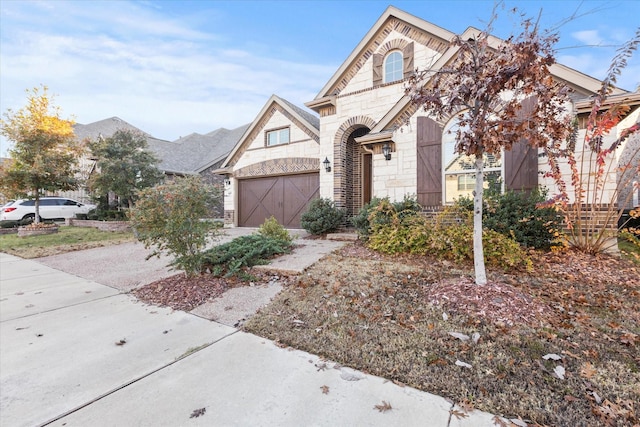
631,99
106,128
195,152
306,120
189,155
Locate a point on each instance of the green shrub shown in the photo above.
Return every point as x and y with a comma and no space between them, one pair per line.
519,215
169,218
380,211
105,215
445,239
322,217
361,220
231,258
273,229
408,206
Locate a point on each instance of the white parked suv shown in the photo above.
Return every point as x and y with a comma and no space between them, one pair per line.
50,208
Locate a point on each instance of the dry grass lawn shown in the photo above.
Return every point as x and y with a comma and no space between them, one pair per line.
559,346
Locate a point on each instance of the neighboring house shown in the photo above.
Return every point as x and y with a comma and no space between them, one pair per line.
371,138
191,155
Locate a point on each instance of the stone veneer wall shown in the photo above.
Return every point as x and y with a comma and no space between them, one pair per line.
229,217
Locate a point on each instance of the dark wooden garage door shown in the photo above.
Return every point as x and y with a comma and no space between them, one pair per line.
285,197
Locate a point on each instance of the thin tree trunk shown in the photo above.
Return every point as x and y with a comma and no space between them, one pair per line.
36,220
478,250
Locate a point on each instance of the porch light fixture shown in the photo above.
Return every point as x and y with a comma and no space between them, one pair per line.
327,164
227,181
386,150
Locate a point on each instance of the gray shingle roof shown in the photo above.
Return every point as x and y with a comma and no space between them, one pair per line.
195,152
106,128
187,155
307,115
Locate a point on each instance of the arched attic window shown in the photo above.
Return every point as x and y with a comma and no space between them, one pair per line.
393,67
393,62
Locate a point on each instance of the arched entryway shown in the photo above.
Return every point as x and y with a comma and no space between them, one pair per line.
353,166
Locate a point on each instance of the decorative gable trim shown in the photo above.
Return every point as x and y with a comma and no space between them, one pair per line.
290,165
393,19
393,24
275,104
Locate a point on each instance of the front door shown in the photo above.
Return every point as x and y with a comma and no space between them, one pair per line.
367,178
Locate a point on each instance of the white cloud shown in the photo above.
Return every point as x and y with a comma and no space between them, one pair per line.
588,37
153,72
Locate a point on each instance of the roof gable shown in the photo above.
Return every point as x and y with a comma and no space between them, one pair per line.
392,19
582,84
305,121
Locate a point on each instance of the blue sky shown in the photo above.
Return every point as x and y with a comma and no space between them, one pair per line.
176,67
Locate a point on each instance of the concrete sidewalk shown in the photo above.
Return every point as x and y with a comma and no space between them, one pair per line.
78,353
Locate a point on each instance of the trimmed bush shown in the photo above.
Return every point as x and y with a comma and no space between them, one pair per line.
231,258
322,217
273,229
361,220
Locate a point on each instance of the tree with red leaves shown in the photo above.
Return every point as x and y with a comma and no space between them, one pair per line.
500,92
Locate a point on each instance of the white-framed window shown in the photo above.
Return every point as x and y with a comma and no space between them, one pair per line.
459,170
393,67
466,182
277,137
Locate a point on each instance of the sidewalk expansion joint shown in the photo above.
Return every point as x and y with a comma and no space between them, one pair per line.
60,308
135,380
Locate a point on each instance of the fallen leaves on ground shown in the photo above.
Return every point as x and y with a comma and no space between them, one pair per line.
383,407
412,319
181,292
198,412
392,317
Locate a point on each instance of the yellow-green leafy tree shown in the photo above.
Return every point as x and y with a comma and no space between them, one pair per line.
45,151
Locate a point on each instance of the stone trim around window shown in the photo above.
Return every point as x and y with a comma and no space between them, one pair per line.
393,24
405,47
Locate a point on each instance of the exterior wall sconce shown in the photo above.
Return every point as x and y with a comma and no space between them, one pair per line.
386,150
227,181
327,164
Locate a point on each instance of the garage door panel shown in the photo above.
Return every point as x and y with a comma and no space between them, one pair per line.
284,197
258,198
299,191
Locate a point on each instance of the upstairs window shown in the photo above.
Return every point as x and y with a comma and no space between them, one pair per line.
277,137
393,69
